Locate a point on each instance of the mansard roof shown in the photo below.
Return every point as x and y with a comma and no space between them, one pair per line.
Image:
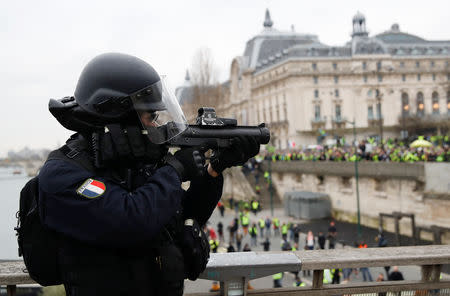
270,43
272,46
399,37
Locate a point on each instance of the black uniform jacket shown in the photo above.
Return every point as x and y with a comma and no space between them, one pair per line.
108,233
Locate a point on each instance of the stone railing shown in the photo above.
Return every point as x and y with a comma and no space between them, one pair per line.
412,171
234,270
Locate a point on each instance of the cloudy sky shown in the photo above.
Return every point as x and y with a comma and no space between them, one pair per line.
45,44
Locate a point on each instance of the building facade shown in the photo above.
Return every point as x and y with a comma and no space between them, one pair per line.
392,84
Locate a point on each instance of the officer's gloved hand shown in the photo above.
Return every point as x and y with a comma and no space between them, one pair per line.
195,249
242,149
188,162
124,144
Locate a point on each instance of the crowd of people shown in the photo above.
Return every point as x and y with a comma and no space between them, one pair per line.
391,150
265,232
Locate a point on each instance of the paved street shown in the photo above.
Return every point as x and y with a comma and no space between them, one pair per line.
345,231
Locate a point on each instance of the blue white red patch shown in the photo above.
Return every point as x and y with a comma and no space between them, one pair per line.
91,188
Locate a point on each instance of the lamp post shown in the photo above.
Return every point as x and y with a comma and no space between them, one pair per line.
405,112
272,150
378,97
270,188
353,123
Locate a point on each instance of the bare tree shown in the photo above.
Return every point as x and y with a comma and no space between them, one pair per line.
203,70
206,90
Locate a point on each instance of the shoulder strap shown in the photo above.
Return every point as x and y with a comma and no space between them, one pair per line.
73,155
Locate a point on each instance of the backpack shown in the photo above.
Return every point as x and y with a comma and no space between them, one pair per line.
38,244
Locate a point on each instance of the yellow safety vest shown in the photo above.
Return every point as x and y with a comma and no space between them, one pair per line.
276,222
262,224
213,244
278,276
245,220
326,276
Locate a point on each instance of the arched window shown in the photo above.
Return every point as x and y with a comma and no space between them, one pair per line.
435,102
338,113
405,104
370,112
420,105
317,112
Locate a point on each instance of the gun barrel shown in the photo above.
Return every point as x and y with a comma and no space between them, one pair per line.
217,136
195,131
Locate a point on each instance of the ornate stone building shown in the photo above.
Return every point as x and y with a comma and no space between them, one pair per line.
387,85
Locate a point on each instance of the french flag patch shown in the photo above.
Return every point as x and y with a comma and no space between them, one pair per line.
91,188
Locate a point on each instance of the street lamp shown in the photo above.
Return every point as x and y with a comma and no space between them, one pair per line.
272,150
270,187
378,97
404,113
353,123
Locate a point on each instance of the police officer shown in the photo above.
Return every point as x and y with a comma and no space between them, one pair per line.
113,193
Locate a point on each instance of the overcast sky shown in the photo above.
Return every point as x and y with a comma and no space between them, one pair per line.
45,44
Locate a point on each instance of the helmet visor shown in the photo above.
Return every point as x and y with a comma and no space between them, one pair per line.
159,112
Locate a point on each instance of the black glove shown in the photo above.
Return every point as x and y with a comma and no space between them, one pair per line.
124,144
195,249
189,163
242,149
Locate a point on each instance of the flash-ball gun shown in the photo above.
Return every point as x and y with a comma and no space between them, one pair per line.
212,132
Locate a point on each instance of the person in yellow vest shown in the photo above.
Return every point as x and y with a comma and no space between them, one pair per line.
326,276
276,226
298,282
336,275
284,231
262,225
214,244
255,206
440,157
245,221
277,278
254,235
258,189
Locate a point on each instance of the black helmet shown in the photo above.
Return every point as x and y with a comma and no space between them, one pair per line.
110,88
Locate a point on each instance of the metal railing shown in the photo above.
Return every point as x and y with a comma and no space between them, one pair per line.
234,270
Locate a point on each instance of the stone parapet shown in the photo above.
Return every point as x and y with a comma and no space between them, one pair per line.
383,170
